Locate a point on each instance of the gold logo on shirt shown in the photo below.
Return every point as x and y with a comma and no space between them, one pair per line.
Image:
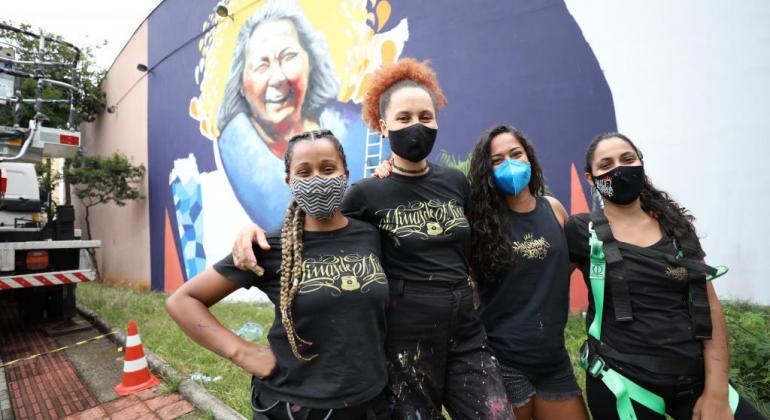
349,283
676,273
423,219
531,248
347,273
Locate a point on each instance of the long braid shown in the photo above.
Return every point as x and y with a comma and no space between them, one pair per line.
291,273
297,272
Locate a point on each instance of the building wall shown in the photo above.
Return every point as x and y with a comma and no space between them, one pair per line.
124,231
691,87
686,81
520,63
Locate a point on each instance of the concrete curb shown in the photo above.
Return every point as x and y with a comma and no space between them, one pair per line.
192,391
6,411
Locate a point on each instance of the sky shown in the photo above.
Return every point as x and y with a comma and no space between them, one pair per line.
83,22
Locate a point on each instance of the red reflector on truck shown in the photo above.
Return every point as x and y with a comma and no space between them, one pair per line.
37,260
70,140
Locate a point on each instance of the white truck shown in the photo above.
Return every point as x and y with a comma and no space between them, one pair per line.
40,265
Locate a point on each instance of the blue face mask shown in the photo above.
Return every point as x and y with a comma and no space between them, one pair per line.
512,176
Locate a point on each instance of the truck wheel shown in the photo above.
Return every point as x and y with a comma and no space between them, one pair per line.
32,306
60,304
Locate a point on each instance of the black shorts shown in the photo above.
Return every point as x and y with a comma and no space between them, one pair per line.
557,384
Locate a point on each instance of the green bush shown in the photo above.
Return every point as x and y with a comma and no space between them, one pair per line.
749,329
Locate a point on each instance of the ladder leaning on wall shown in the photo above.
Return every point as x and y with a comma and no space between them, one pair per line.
373,152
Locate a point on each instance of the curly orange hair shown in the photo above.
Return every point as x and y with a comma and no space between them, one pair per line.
390,74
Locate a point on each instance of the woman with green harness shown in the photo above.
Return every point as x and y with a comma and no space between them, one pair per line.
657,339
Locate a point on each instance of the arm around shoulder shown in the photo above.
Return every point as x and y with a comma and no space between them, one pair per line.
576,231
354,204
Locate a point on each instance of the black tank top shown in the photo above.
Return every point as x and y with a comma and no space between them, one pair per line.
525,308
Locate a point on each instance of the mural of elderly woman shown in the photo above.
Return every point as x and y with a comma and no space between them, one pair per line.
281,83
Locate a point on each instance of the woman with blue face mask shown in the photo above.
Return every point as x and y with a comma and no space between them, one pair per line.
520,261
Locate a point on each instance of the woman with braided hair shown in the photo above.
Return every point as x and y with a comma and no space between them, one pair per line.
326,357
436,345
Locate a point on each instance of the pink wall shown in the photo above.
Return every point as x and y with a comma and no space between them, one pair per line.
124,231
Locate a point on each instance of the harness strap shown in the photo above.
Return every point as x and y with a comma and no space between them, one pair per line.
621,387
733,398
621,298
694,267
655,364
596,276
700,310
698,274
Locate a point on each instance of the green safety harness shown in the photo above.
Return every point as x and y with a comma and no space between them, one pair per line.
605,256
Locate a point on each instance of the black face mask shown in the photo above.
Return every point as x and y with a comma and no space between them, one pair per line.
621,185
413,143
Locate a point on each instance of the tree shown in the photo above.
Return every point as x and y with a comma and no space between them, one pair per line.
103,179
87,106
48,178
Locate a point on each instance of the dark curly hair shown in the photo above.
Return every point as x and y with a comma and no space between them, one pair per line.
406,72
490,242
676,219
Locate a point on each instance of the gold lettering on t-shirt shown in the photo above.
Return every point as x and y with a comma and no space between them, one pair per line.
676,273
340,273
531,248
424,219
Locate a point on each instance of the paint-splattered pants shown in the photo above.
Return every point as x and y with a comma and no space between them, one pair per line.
437,355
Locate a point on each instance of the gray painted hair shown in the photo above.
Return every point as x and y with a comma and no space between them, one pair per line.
323,84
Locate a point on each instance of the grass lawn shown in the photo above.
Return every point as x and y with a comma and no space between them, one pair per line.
749,342
161,335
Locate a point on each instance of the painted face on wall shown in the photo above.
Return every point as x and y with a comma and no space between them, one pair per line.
275,75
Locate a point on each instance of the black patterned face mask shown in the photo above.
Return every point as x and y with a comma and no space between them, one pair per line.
318,196
621,185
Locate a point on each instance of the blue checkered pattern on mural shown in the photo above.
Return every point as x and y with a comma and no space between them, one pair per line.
189,221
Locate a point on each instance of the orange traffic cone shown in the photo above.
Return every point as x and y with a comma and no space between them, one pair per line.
136,375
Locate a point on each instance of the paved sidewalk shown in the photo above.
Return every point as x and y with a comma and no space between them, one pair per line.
148,404
52,387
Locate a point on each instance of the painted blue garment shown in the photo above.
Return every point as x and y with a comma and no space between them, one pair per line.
257,175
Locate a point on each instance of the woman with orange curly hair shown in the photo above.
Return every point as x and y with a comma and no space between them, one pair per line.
436,350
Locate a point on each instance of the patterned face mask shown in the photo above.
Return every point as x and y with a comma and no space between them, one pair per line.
621,185
318,196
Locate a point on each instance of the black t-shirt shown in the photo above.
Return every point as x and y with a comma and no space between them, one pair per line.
426,236
525,308
659,299
340,308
